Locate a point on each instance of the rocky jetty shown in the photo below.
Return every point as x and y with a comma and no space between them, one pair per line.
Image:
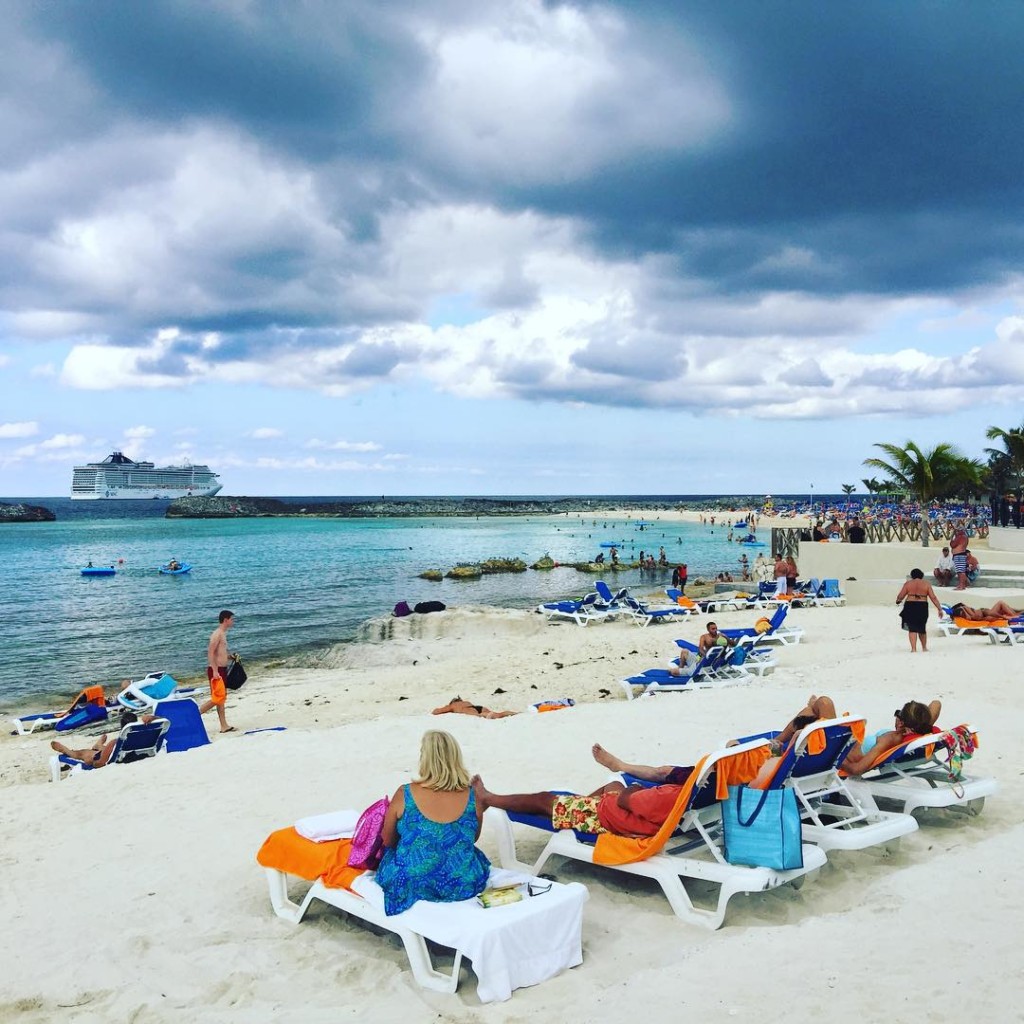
227,507
25,514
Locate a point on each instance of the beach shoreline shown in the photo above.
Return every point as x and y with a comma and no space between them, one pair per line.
351,733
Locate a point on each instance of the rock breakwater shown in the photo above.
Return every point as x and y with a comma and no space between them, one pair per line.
227,507
25,514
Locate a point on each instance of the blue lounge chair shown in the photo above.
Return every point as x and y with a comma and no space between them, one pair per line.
830,594
136,741
834,815
186,729
644,615
916,775
709,671
587,609
695,851
776,632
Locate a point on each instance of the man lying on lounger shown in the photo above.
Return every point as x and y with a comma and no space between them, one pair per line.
632,811
912,719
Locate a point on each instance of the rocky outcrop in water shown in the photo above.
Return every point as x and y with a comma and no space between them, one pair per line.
25,514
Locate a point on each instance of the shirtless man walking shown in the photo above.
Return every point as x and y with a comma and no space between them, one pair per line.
217,669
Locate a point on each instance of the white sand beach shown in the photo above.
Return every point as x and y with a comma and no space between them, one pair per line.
132,893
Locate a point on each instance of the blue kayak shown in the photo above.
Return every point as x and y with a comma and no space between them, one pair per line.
611,544
752,543
100,570
180,571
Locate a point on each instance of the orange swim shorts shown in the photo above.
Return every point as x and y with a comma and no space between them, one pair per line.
218,691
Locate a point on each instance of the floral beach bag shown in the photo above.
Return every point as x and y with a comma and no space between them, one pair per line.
368,838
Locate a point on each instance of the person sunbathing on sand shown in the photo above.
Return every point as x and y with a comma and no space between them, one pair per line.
1000,610
458,706
912,719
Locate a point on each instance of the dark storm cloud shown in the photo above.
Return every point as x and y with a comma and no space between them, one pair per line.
256,170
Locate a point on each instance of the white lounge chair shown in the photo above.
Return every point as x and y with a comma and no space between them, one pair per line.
144,694
587,609
136,741
698,852
916,775
834,815
510,946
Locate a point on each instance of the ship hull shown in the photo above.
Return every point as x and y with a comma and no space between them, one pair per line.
146,493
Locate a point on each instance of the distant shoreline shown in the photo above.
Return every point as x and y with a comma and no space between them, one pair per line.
225,507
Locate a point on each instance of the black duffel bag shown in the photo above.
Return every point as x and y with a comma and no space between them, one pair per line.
236,675
429,606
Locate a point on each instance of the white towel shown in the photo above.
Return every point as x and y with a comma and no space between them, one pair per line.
323,827
510,947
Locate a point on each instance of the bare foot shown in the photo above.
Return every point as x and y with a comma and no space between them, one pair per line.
478,787
58,746
609,761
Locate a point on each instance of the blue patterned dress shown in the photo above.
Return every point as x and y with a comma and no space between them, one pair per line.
432,861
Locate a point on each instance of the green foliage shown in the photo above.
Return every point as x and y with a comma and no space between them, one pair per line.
942,472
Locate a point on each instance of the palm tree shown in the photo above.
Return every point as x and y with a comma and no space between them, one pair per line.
848,489
1007,464
925,474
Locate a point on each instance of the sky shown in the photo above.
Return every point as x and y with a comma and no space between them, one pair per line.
507,247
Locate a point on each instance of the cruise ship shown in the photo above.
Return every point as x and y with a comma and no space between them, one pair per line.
118,477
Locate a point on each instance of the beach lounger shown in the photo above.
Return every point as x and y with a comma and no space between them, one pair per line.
587,609
916,774
830,594
136,741
777,632
834,814
754,660
690,845
713,670
994,629
644,615
511,946
146,693
89,707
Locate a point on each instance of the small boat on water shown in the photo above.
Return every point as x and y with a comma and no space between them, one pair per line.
98,570
180,568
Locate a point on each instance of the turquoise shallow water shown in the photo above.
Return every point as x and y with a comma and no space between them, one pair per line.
295,585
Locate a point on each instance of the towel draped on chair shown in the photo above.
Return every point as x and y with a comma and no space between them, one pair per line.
740,768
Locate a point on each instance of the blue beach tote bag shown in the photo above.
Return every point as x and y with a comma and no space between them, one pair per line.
762,828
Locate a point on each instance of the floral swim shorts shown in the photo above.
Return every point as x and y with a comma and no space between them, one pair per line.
578,812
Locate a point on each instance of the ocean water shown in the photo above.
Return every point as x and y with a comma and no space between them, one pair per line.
295,585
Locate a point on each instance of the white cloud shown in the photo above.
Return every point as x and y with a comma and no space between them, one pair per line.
547,92
27,428
344,446
43,370
139,433
63,441
266,433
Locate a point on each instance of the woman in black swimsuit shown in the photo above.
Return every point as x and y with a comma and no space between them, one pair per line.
914,596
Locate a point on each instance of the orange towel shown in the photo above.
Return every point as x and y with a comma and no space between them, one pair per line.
285,850
685,602
612,849
978,623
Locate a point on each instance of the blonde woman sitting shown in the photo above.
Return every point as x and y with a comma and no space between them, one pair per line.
430,833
